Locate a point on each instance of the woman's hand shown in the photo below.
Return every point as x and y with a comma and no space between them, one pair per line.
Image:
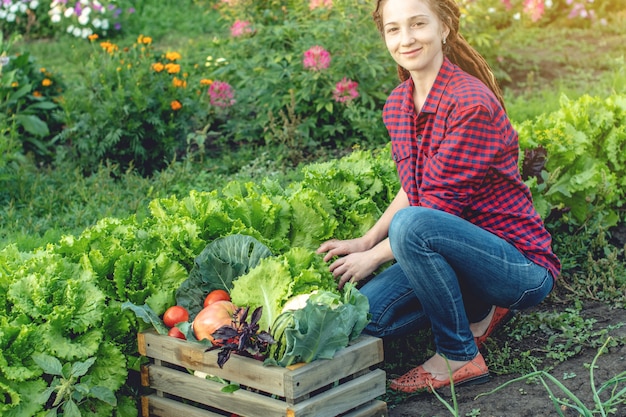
355,261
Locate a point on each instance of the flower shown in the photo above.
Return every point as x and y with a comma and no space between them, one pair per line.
93,37
175,105
109,47
222,94
47,82
240,27
316,58
206,81
314,4
534,8
172,68
158,67
345,90
37,94
172,56
178,83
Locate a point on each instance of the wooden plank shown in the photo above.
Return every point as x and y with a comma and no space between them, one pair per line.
245,371
164,407
364,352
373,409
343,397
204,391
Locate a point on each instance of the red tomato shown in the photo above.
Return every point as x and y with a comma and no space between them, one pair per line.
175,332
174,315
212,317
216,295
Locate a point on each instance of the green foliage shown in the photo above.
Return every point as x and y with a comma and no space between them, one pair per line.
132,106
584,175
28,102
293,106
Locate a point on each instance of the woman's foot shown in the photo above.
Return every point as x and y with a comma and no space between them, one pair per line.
484,328
434,374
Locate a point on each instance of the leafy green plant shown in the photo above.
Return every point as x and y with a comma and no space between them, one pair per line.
28,101
69,387
132,106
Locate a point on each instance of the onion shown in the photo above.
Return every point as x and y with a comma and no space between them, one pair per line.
211,318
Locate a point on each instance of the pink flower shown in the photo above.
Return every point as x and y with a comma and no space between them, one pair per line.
345,90
222,94
534,8
316,58
507,4
240,27
314,4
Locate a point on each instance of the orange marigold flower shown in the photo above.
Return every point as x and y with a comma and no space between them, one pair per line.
15,84
37,94
147,40
206,81
173,56
158,67
109,47
47,82
175,105
42,70
93,37
177,82
172,68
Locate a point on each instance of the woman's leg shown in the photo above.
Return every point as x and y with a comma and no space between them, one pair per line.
449,262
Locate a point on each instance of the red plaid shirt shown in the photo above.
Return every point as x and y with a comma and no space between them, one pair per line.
460,155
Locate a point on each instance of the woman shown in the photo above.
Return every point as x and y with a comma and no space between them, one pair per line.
462,229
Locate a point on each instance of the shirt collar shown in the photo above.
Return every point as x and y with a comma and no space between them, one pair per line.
436,91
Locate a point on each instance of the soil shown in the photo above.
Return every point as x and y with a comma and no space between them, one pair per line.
531,399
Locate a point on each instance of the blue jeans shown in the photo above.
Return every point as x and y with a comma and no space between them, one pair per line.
448,274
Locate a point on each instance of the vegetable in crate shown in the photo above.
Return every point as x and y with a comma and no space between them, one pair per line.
242,337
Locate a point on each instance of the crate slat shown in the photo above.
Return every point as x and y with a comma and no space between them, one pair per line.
155,406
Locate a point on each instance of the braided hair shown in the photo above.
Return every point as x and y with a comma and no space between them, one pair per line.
456,47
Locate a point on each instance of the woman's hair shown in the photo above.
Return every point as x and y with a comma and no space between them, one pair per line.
456,47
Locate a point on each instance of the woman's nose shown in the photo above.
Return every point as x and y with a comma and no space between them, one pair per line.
407,37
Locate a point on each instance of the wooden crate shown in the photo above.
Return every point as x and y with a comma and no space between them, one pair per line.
347,385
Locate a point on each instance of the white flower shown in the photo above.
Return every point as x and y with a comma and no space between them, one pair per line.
55,18
83,19
76,32
3,14
70,28
11,17
105,24
87,11
34,4
23,7
517,16
68,12
13,8
96,23
549,3
86,32
491,10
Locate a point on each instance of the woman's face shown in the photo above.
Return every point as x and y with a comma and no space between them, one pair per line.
414,36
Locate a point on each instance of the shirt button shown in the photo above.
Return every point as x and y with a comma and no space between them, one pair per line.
419,138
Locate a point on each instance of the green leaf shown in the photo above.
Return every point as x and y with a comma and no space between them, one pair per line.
218,265
145,313
70,409
81,368
33,124
231,388
49,364
104,394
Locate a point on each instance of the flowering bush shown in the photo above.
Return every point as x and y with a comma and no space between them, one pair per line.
134,106
297,83
28,102
82,18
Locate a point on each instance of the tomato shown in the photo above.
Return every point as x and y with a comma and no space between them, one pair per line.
175,332
174,315
209,319
216,295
